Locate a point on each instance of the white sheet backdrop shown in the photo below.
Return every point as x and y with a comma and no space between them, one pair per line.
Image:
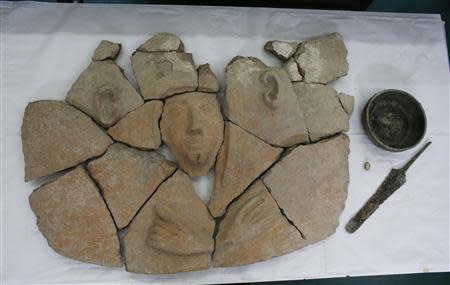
45,47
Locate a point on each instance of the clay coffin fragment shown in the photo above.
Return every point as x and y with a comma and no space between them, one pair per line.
103,92
261,100
347,102
172,232
241,159
162,42
140,128
291,67
282,50
254,230
310,186
162,74
322,110
322,59
207,80
127,178
74,219
56,136
106,50
192,126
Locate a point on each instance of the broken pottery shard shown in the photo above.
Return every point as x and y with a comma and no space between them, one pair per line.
282,50
291,67
106,50
162,74
140,128
127,178
192,126
56,136
254,230
162,42
322,59
241,159
207,80
347,102
172,232
262,101
73,217
104,93
322,109
310,186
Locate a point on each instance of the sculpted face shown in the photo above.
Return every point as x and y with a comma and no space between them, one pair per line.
192,126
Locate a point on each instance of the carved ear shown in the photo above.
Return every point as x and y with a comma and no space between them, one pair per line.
106,99
271,95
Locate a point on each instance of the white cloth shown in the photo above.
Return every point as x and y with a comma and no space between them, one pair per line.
45,47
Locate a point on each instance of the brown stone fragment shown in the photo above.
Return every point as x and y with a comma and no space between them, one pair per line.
106,50
103,92
310,185
282,50
140,128
261,100
74,219
322,59
207,80
162,42
172,232
254,230
127,178
241,159
322,109
56,136
192,126
162,74
347,102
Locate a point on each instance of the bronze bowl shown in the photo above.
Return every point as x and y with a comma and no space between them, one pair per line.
394,120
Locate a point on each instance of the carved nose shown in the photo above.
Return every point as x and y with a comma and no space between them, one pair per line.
195,128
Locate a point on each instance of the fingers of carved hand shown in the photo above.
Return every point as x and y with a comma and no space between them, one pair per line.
170,234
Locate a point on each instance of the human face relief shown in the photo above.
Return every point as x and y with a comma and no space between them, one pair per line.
192,126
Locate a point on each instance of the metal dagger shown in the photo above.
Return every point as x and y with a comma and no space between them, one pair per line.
393,181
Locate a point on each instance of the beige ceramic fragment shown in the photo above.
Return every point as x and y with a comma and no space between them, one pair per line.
74,219
103,92
162,42
322,59
162,74
282,50
207,80
241,159
140,128
56,136
172,232
347,102
261,100
310,185
291,67
127,178
322,109
254,230
192,126
106,50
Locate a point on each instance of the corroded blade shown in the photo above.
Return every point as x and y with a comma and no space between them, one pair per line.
395,179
